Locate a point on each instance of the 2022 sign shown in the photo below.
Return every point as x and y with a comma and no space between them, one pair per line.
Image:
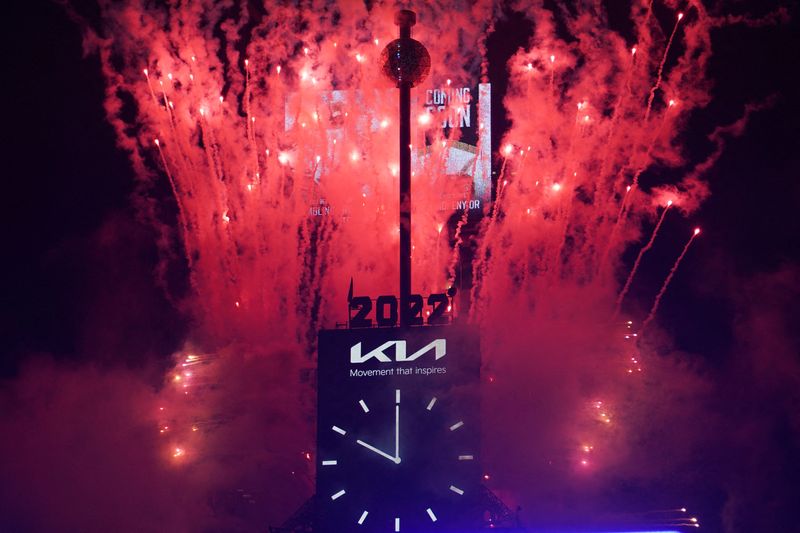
386,311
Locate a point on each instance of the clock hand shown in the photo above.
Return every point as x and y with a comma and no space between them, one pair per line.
379,452
397,427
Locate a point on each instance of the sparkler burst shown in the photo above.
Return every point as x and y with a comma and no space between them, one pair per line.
273,128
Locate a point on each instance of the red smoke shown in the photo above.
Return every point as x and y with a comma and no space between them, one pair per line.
199,95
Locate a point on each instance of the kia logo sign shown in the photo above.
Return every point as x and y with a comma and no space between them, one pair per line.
439,346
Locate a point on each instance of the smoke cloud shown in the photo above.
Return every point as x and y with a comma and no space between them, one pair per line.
253,115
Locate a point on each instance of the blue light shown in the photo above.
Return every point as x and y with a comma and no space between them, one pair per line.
585,531
629,531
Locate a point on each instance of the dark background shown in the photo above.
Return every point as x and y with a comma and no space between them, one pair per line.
79,264
78,273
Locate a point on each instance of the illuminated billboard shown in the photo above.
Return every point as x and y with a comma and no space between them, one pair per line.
451,136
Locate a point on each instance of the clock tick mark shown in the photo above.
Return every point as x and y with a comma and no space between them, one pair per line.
329,463
397,396
430,513
431,404
456,490
465,457
363,406
363,517
341,493
397,524
457,425
339,430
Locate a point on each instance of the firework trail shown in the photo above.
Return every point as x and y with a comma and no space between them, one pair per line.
615,114
663,289
660,74
631,189
181,211
451,268
638,260
482,264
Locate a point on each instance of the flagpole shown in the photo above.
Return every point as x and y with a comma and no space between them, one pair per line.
407,63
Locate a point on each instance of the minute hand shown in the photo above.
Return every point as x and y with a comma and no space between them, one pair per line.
379,452
397,433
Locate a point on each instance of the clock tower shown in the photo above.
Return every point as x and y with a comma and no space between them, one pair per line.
398,433
398,413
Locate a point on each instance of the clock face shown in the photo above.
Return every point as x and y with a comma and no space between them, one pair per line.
397,439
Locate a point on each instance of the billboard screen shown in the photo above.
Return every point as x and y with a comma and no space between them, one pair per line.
451,139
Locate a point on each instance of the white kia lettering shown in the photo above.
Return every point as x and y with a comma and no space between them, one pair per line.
439,346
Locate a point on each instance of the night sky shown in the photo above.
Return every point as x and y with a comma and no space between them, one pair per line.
79,269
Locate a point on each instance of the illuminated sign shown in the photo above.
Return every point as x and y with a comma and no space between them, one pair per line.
462,113
398,430
439,346
457,108
453,103
439,310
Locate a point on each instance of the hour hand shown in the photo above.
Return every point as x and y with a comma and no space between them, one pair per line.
379,452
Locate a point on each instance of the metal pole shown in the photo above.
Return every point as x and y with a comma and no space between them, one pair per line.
405,202
406,62
405,21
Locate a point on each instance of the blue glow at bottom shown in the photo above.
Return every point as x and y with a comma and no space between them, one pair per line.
547,530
